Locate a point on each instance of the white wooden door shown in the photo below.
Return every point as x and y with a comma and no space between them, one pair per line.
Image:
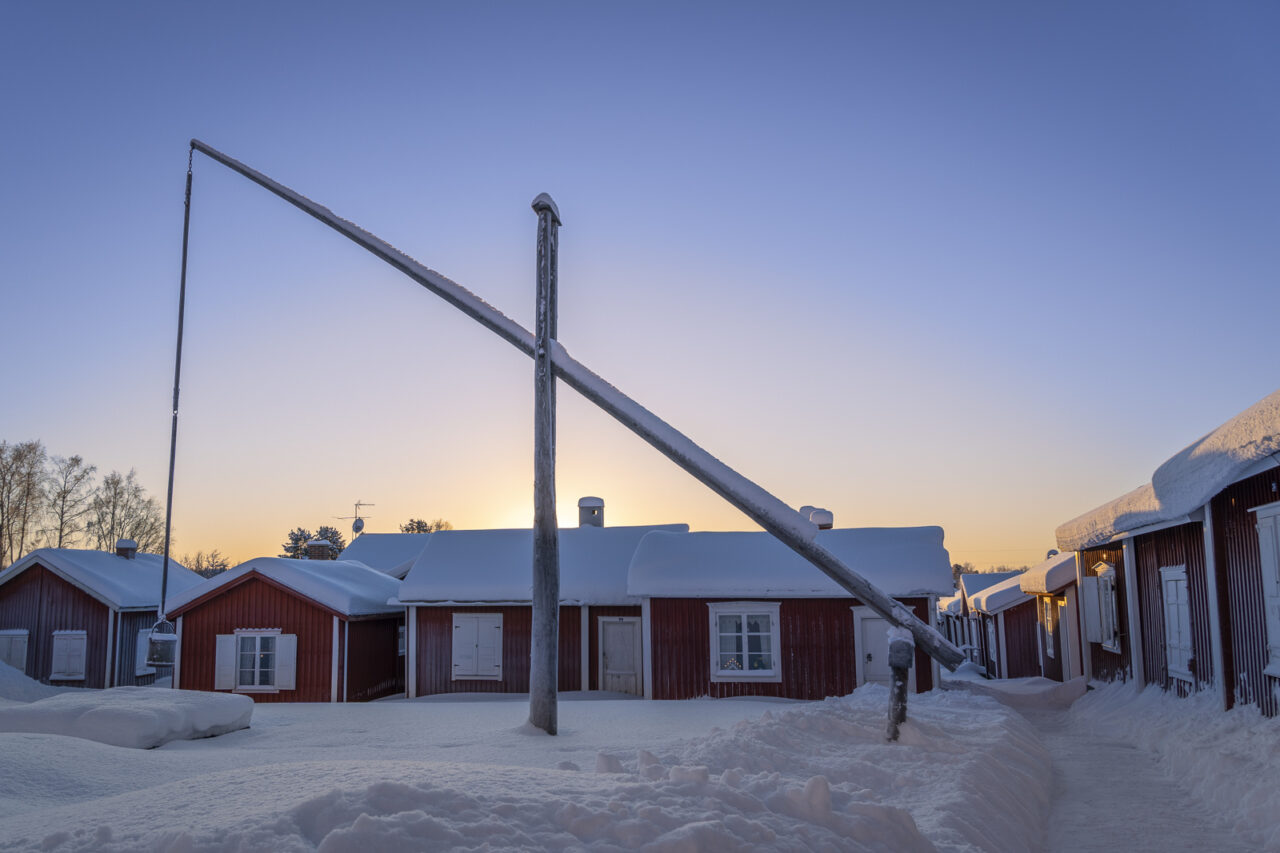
870,632
620,655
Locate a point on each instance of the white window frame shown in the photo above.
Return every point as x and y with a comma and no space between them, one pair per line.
1048,609
487,623
140,652
226,669
257,637
9,638
771,609
1173,641
1108,607
1268,528
68,640
400,640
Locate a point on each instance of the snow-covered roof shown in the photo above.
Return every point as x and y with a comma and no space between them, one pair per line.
1185,482
900,561
1051,575
120,582
977,581
950,604
999,596
497,565
390,553
350,588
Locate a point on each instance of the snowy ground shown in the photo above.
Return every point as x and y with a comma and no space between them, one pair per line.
446,774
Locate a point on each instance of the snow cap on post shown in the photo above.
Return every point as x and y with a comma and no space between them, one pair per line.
545,202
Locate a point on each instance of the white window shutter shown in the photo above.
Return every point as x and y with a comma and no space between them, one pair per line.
140,654
61,655
1269,550
224,662
287,662
464,644
489,646
1092,612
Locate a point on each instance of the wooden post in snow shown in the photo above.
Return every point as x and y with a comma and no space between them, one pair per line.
901,651
543,664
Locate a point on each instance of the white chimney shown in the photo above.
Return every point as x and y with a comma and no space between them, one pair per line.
126,548
591,512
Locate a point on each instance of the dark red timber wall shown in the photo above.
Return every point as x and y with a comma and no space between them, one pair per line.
374,669
593,639
40,602
1107,665
435,650
127,646
818,654
1239,569
258,602
1174,546
1020,627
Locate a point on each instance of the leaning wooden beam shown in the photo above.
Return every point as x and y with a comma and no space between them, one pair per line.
759,505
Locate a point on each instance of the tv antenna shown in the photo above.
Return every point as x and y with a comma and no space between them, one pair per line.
357,523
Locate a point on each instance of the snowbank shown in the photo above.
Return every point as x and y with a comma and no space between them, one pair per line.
138,717
967,775
1185,482
900,561
1226,760
16,687
1035,693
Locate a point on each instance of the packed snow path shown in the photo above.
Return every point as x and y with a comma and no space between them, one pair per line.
1109,795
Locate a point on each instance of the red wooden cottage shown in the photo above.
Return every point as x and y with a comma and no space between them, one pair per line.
469,605
1180,579
1008,629
951,619
969,625
82,618
734,614
1053,584
286,630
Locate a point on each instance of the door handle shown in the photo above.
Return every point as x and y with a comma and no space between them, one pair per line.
868,657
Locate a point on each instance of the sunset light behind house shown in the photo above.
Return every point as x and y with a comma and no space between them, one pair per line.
943,269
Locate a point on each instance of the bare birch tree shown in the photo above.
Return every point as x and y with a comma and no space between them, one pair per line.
68,499
21,498
121,509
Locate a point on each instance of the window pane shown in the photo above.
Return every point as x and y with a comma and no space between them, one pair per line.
266,677
246,661
730,644
758,623
248,645
732,662
759,661
759,643
246,678
731,624
267,644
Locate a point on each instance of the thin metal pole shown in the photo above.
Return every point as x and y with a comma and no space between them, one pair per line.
177,379
543,662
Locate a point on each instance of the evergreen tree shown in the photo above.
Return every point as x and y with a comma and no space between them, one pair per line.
297,545
417,525
334,538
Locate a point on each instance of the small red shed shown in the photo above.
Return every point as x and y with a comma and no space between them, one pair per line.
83,618
1008,627
741,614
1053,584
970,624
286,630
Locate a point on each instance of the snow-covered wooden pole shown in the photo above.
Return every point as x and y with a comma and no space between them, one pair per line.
543,663
756,503
901,651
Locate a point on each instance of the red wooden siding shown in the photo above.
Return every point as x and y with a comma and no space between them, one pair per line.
375,669
40,602
1021,627
435,650
593,639
1174,546
817,654
1107,665
1239,569
256,602
127,648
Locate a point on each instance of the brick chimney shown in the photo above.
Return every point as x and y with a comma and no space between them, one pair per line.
591,512
319,549
126,548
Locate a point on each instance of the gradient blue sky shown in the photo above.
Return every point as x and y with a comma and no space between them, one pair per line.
982,265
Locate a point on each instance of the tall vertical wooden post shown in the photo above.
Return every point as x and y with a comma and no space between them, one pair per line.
543,663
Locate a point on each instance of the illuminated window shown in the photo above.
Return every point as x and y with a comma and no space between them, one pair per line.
744,641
